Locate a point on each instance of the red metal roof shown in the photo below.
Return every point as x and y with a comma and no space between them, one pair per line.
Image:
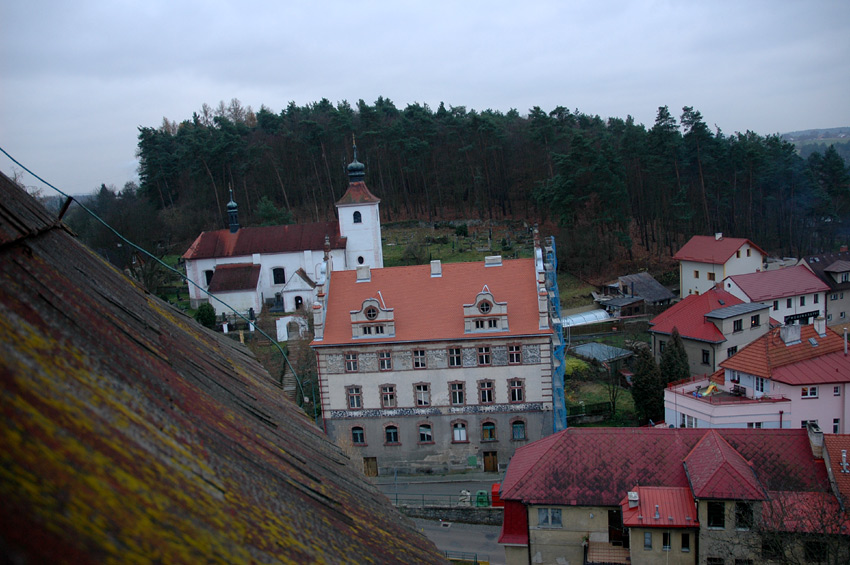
779,283
768,353
688,316
132,433
708,249
357,193
716,470
598,466
265,239
676,508
805,512
235,276
514,524
427,308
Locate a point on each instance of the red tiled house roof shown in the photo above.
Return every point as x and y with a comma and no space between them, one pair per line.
770,358
357,193
598,466
131,433
265,239
833,445
234,277
805,512
427,308
676,508
779,283
708,249
688,316
716,470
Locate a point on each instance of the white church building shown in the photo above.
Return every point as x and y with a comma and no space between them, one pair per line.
280,266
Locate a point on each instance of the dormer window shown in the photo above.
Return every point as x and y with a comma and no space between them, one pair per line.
373,319
485,307
485,313
371,313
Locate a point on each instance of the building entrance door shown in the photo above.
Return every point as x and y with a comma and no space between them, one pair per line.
491,461
370,466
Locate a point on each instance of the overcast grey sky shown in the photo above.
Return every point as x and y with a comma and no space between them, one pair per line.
78,78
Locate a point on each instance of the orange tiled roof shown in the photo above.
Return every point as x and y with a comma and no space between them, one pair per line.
708,249
833,444
430,308
357,193
765,355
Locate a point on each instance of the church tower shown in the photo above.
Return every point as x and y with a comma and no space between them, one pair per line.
360,220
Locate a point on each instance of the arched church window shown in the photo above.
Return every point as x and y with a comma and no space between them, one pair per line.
279,275
358,219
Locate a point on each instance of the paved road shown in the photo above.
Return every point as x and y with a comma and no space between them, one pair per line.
468,538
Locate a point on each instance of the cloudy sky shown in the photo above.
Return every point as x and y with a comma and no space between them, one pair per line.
78,78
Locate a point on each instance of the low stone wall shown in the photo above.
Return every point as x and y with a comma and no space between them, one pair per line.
490,516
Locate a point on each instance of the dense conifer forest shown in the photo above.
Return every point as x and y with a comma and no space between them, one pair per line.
609,185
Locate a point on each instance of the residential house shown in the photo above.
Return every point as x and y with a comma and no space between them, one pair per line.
788,377
713,326
704,261
431,367
795,294
834,270
632,294
131,433
669,495
282,251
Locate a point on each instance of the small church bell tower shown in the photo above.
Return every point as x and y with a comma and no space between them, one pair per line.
360,220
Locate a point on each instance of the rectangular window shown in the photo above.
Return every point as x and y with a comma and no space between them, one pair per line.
647,540
802,301
716,514
423,394
755,321
706,356
479,324
379,329
367,330
743,515
760,385
385,361
829,317
492,324
809,392
518,430
815,298
749,252
836,391
514,354
845,277
836,425
350,362
841,315
391,434
388,399
515,386
661,345
804,423
815,551
686,421
775,305
483,355
485,392
754,425
738,254
425,434
696,274
419,361
665,541
488,431
833,296
715,561
686,542
455,359
549,517
355,397
459,432
738,325
710,276
788,303
357,436
456,390
731,351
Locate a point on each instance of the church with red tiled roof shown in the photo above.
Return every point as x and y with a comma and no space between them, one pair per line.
280,252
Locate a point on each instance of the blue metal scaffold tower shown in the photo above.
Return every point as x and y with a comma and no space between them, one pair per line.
550,265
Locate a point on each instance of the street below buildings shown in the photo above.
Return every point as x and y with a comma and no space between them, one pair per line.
465,538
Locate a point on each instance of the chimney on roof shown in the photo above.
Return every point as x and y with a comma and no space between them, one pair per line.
718,236
657,514
634,499
364,273
233,214
815,439
845,467
493,261
790,334
436,268
820,326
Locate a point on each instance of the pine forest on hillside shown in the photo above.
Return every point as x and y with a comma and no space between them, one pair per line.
608,185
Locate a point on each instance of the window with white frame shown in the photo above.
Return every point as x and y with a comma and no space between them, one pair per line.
455,359
351,362
484,355
518,430
423,394
755,321
738,325
804,423
485,392
391,434
754,425
385,360
730,351
425,435
775,305
456,393
514,354
549,517
419,360
836,425
802,301
485,307
809,392
355,397
459,432
516,389
665,541
388,398
836,391
357,436
647,540
687,421
371,313
760,385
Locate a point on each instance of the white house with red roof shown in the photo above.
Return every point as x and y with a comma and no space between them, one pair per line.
671,495
795,294
282,251
834,270
789,377
705,260
713,325
426,366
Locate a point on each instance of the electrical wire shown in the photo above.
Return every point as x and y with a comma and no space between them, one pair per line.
182,275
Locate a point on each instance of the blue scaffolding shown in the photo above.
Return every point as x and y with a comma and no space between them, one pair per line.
550,265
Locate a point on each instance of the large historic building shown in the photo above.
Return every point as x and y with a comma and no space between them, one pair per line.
278,266
435,366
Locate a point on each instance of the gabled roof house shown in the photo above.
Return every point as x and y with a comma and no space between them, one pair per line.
706,260
131,433
834,270
795,294
666,495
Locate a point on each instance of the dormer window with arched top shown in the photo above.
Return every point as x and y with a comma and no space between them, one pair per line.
485,314
358,218
372,320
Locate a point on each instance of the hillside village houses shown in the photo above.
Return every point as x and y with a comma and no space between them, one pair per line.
436,367
795,294
279,266
834,270
706,260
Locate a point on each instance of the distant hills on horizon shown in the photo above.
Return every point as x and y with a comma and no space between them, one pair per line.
810,141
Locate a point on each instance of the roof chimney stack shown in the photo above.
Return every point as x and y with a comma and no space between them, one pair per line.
657,514
364,273
845,467
718,236
790,334
436,268
820,326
